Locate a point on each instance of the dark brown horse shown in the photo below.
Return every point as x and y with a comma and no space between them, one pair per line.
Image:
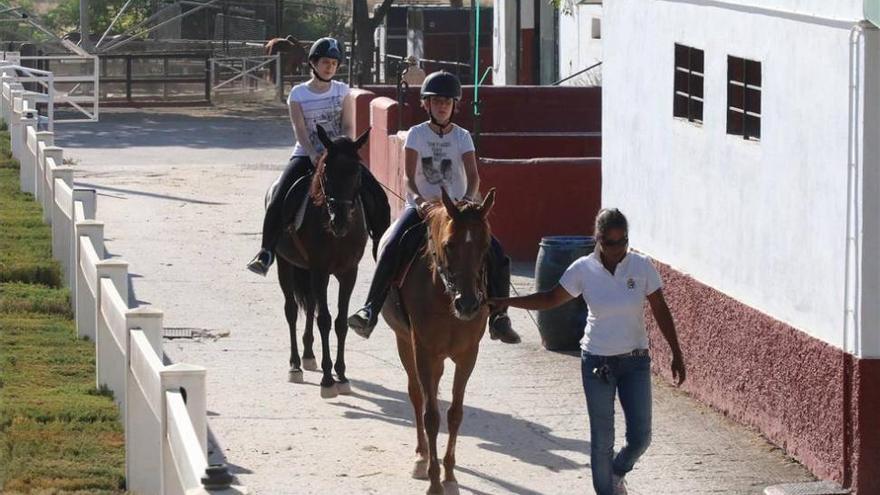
439,313
330,241
293,54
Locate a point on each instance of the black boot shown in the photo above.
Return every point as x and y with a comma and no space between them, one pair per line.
391,259
281,210
499,286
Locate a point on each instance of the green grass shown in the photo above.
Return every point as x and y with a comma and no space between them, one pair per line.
58,433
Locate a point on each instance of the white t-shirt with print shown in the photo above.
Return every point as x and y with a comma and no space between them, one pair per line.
319,108
616,323
440,161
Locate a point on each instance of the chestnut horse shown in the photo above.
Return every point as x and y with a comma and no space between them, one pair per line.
330,241
293,55
440,312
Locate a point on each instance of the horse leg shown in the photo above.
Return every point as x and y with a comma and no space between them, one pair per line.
430,370
346,286
309,361
285,279
319,290
405,351
463,371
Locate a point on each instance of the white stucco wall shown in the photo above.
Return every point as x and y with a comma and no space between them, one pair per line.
577,47
764,222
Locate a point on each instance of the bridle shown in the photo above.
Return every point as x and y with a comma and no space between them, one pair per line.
329,201
447,278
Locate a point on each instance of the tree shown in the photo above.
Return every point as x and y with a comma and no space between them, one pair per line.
65,16
364,27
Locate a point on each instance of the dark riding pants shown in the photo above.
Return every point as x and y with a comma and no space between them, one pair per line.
297,168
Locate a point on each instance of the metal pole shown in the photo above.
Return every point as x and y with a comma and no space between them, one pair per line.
84,25
128,77
279,81
353,50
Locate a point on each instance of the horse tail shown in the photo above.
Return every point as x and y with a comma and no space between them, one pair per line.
302,288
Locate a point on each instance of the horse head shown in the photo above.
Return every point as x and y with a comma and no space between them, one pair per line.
337,181
459,239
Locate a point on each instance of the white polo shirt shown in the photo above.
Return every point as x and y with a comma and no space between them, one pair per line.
616,323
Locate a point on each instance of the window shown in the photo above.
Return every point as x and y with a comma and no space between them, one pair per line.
744,98
596,31
688,98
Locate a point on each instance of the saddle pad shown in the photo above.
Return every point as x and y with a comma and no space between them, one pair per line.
301,209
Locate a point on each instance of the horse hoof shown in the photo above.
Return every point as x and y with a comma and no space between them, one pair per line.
450,487
310,364
295,376
436,489
420,469
329,392
344,388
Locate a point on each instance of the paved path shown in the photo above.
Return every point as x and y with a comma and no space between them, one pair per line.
181,194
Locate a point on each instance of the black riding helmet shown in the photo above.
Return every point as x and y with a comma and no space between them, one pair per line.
441,83
326,47
444,84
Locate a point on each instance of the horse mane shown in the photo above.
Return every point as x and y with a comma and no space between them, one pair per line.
438,223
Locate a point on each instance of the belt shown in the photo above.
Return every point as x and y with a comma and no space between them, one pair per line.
635,353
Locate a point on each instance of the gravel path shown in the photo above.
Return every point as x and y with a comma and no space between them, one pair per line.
180,192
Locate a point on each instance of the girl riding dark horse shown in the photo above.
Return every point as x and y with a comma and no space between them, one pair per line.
330,241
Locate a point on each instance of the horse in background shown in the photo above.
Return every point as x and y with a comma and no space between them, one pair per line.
293,56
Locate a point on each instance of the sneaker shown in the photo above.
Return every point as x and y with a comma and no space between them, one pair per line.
362,322
261,262
500,329
619,484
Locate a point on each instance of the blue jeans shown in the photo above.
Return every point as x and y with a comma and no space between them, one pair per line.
630,378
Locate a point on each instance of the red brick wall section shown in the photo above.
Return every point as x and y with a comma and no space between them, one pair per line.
769,375
541,197
517,108
384,121
358,110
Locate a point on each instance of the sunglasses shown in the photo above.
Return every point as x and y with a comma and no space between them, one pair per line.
623,241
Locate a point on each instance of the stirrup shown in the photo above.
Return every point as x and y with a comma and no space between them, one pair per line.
362,322
261,262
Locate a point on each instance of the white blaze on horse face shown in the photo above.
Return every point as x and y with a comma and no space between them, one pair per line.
469,237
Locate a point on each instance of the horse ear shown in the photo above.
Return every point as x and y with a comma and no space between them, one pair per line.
488,203
325,139
451,209
362,139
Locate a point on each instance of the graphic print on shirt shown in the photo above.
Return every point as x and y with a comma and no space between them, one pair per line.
327,113
437,168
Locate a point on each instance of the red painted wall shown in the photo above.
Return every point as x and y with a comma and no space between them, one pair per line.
812,399
541,197
548,180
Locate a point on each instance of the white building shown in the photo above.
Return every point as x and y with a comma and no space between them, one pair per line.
740,137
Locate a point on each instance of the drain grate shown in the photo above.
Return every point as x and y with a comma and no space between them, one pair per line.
178,332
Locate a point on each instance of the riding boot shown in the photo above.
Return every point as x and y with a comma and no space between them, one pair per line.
281,211
390,262
499,286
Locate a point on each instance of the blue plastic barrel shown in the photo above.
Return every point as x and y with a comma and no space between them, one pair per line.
561,328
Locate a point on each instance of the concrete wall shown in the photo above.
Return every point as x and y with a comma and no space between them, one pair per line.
764,222
580,43
767,248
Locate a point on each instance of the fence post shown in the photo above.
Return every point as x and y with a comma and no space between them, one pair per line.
15,123
116,271
26,162
47,192
149,320
85,312
61,224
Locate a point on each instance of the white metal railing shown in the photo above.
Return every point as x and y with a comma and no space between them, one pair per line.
163,407
242,74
